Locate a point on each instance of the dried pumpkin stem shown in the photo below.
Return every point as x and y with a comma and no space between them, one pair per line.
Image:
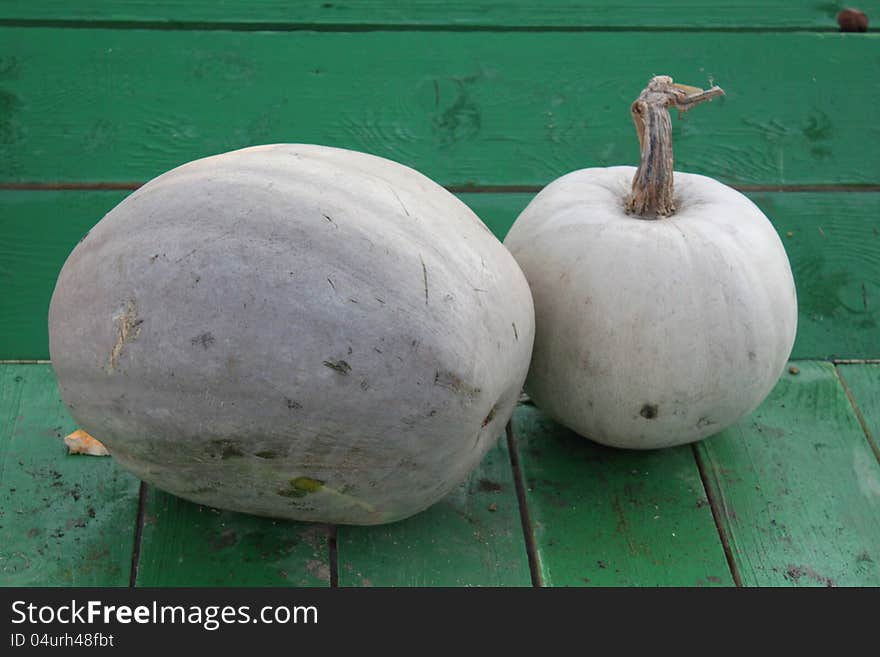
652,195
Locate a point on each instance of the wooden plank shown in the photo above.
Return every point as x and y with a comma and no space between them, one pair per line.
64,520
514,108
604,517
863,381
798,487
455,13
833,243
37,232
185,544
834,249
473,537
498,211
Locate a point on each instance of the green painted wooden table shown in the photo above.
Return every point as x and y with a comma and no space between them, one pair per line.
492,98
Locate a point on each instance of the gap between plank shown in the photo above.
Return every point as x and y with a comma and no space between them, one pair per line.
716,516
82,186
138,534
525,519
453,188
25,362
835,361
831,187
280,26
333,556
861,418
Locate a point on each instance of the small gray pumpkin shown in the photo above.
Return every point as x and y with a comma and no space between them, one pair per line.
662,316
294,331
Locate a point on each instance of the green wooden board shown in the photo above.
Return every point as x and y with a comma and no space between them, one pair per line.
515,108
455,13
833,243
503,96
797,487
473,537
185,544
64,520
498,211
37,232
863,381
604,517
834,249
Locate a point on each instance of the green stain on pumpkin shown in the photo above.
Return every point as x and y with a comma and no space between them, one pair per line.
301,486
307,484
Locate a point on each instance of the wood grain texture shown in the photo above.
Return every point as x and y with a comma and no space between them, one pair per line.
464,108
834,248
64,520
863,382
605,517
472,537
833,244
185,544
456,13
498,211
38,230
798,487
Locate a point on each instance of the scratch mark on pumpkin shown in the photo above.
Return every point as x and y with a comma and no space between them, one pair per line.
515,334
453,382
128,327
393,191
211,240
425,277
338,365
184,257
490,416
331,284
864,298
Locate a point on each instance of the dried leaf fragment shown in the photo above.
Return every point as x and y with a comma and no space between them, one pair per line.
80,442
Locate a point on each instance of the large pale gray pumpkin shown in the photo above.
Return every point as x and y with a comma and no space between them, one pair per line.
294,331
